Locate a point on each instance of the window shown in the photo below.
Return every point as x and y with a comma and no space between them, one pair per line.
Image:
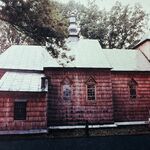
20,110
132,92
73,30
133,88
91,92
91,89
66,89
66,92
44,83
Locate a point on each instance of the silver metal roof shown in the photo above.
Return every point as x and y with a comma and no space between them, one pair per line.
146,52
26,58
126,60
87,54
145,37
24,82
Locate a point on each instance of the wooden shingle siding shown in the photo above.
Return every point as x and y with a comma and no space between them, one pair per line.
125,108
36,115
78,110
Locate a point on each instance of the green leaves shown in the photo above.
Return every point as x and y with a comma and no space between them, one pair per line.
116,28
45,21
40,20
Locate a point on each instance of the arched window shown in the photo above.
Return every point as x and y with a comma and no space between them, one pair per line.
91,89
133,88
66,89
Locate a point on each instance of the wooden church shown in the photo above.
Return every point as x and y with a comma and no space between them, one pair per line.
100,86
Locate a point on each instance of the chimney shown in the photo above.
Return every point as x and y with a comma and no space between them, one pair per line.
73,28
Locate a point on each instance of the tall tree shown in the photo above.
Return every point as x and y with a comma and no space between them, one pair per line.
10,36
66,9
40,20
117,28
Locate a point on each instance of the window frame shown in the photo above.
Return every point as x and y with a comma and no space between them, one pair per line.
132,85
91,81
20,116
68,82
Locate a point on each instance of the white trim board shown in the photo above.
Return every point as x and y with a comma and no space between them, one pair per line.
116,124
24,132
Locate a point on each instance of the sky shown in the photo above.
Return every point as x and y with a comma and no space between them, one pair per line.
107,4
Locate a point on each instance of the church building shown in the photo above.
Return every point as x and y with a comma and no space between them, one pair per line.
99,86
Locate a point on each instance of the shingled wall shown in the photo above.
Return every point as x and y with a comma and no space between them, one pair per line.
126,108
78,110
36,117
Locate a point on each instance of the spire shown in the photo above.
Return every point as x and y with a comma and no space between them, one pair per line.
73,28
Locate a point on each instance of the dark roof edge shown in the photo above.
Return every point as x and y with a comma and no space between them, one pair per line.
22,70
108,68
140,43
130,71
35,92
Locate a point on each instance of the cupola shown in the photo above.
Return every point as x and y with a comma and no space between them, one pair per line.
73,28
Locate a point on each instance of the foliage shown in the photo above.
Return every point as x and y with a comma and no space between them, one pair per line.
117,28
10,36
45,21
40,20
66,9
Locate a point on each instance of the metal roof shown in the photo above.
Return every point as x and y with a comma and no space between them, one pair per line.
87,54
21,81
145,38
26,57
127,60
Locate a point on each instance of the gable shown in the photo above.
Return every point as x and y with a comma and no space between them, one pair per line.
90,80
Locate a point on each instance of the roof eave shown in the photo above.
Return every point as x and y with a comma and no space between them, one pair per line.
134,47
130,70
22,70
78,68
24,91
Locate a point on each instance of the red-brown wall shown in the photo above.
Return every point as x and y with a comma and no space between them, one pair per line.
78,110
112,104
125,108
36,111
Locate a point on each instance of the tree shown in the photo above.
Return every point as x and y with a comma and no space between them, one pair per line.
66,9
117,28
126,25
89,20
45,21
10,36
40,20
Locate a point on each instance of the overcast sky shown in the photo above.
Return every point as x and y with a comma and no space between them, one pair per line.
108,3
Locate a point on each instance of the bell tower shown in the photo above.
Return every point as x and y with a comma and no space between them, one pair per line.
73,28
